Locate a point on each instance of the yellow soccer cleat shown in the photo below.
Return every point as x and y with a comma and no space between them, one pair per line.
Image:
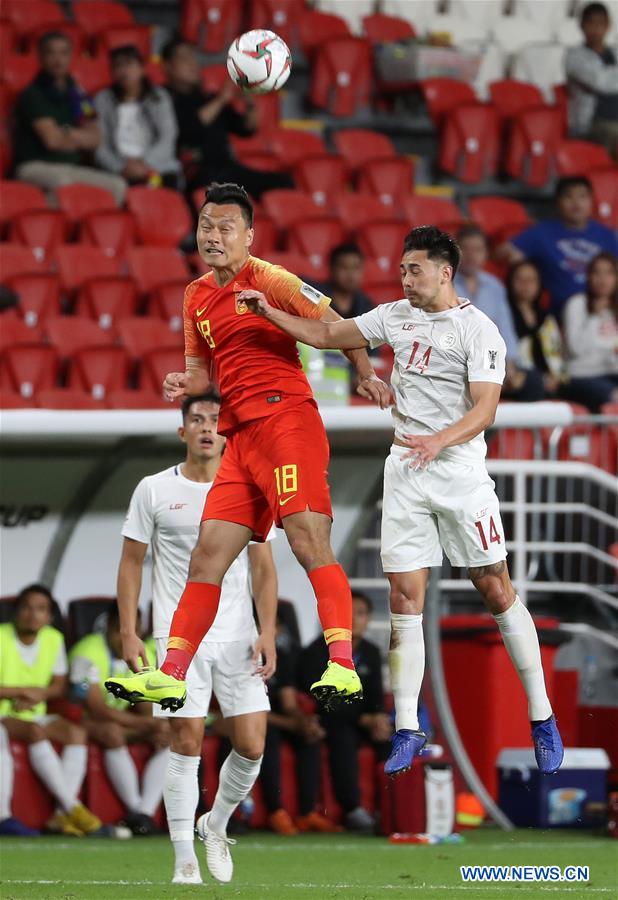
84,820
149,686
337,685
60,823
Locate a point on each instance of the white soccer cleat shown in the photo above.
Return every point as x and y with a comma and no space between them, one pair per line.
187,874
218,856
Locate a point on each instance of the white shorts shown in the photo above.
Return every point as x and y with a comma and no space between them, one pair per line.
226,669
450,506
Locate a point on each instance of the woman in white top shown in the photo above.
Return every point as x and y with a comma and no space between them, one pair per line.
591,335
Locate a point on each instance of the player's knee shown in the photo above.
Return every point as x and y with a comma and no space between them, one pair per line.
311,550
186,743
250,747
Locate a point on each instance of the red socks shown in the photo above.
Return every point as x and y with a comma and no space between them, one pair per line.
195,614
335,611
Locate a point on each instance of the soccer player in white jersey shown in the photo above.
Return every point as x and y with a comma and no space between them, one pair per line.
447,376
232,660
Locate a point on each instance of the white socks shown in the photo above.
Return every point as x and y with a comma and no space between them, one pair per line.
236,778
181,795
522,644
122,773
6,776
406,661
47,765
153,779
74,761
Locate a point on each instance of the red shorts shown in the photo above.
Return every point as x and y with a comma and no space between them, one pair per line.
271,468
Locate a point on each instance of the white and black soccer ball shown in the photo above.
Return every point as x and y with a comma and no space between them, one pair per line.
259,62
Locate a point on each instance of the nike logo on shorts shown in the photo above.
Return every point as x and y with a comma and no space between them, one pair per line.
287,500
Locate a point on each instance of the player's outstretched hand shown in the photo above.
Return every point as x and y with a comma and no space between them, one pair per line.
134,652
265,656
256,301
423,448
376,390
175,385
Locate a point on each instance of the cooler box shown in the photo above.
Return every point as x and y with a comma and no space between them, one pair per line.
575,797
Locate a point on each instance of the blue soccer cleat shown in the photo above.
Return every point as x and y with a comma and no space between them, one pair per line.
548,748
406,745
13,827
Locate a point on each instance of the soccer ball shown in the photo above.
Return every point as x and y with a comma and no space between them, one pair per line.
259,62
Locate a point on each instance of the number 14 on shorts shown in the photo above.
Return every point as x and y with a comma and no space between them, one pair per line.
494,535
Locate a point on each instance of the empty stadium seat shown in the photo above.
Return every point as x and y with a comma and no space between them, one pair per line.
41,229
112,230
286,206
152,266
167,302
79,263
499,217
442,95
18,197
389,179
421,209
15,259
14,331
122,36
264,234
66,398
282,16
359,145
96,15
107,299
511,443
383,242
39,296
341,78
581,157
137,399
532,147
155,366
31,367
211,24
23,16
10,399
99,370
316,238
71,333
290,145
79,200
605,190
141,333
18,71
7,39
71,30
161,215
255,153
382,29
6,104
92,73
385,292
317,27
320,176
469,144
509,97
353,11
357,210
294,262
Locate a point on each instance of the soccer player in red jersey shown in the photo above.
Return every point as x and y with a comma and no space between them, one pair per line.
276,458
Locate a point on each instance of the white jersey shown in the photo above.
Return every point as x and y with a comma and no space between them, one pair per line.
165,512
437,355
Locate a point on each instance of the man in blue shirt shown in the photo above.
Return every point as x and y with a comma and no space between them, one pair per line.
563,247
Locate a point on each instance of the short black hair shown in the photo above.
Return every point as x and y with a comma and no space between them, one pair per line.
34,588
439,245
349,249
593,9
124,53
358,595
570,181
470,229
50,36
228,192
170,47
210,396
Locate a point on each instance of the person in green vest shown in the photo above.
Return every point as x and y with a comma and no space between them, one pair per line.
113,724
33,671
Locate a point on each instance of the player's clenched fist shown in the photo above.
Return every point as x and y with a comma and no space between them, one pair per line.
256,301
175,385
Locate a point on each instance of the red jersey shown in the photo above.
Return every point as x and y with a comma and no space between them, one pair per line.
255,364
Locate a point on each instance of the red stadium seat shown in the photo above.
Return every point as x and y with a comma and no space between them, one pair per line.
532,146
385,292
66,398
320,176
255,153
123,35
383,29
71,333
18,197
211,24
112,230
167,302
286,207
291,145
198,266
99,370
39,296
41,229
510,97
92,73
442,95
282,16
213,78
499,217
15,330
389,179
383,241
6,105
31,367
511,443
581,157
137,399
605,190
294,262
317,27
140,333
357,210
155,366
316,238
161,215
70,29
42,12
79,263
152,266
18,71
7,39
420,209
79,200
265,234
341,79
359,145
268,107
10,399
15,259
107,299
96,15
470,143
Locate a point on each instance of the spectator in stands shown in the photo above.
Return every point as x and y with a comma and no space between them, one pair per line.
10,826
591,335
347,727
206,120
56,127
138,124
487,293
563,247
345,268
540,341
289,721
33,671
113,724
592,73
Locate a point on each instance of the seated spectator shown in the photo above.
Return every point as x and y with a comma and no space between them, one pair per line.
591,336
137,123
288,721
592,77
56,127
345,277
563,247
204,122
487,293
113,724
10,826
33,671
348,726
540,341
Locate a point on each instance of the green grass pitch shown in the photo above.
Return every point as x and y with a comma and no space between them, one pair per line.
321,867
